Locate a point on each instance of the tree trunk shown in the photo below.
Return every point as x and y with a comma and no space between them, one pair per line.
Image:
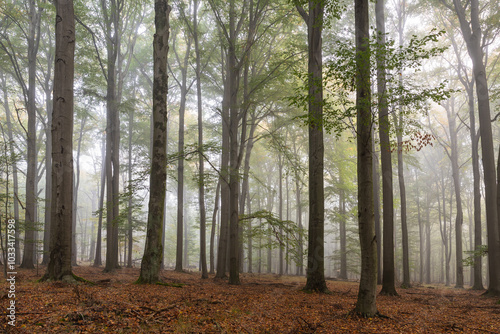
402,187
316,249
59,266
456,183
478,277
224,192
14,171
75,192
213,229
233,76
280,212
368,282
269,208
130,190
98,251
166,195
201,160
402,192
250,241
300,265
245,195
287,237
180,166
112,136
376,204
30,216
47,87
428,243
388,276
444,231
153,252
473,36
420,230
185,245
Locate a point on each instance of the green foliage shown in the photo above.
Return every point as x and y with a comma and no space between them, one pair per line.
290,235
482,251
340,77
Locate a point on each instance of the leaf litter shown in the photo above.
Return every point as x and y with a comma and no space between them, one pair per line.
262,304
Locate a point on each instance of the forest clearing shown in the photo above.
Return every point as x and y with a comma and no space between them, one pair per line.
261,304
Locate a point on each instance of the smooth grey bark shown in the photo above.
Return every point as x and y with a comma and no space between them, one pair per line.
298,214
388,275
47,87
366,302
245,188
185,244
59,266
445,234
201,160
280,210
287,255
153,252
112,16
315,272
269,208
478,277
472,33
376,204
421,230
102,184
214,227
453,155
342,232
468,83
233,74
402,193
222,254
399,123
76,186
428,242
130,231
31,171
166,195
15,182
250,238
181,244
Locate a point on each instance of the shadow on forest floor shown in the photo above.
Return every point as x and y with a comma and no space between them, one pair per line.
262,304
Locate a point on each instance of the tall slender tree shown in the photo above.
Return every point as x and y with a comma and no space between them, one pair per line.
472,33
368,282
59,266
388,276
316,237
153,252
33,36
111,12
201,159
182,82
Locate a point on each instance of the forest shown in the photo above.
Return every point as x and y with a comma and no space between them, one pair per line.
250,166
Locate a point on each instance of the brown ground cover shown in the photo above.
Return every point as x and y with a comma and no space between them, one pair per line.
262,304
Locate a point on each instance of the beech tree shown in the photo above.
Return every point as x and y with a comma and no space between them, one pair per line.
472,34
368,282
388,276
153,252
315,271
59,266
28,88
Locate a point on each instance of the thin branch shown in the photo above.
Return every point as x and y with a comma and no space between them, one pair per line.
95,46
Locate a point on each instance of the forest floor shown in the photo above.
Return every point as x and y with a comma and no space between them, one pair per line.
261,304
